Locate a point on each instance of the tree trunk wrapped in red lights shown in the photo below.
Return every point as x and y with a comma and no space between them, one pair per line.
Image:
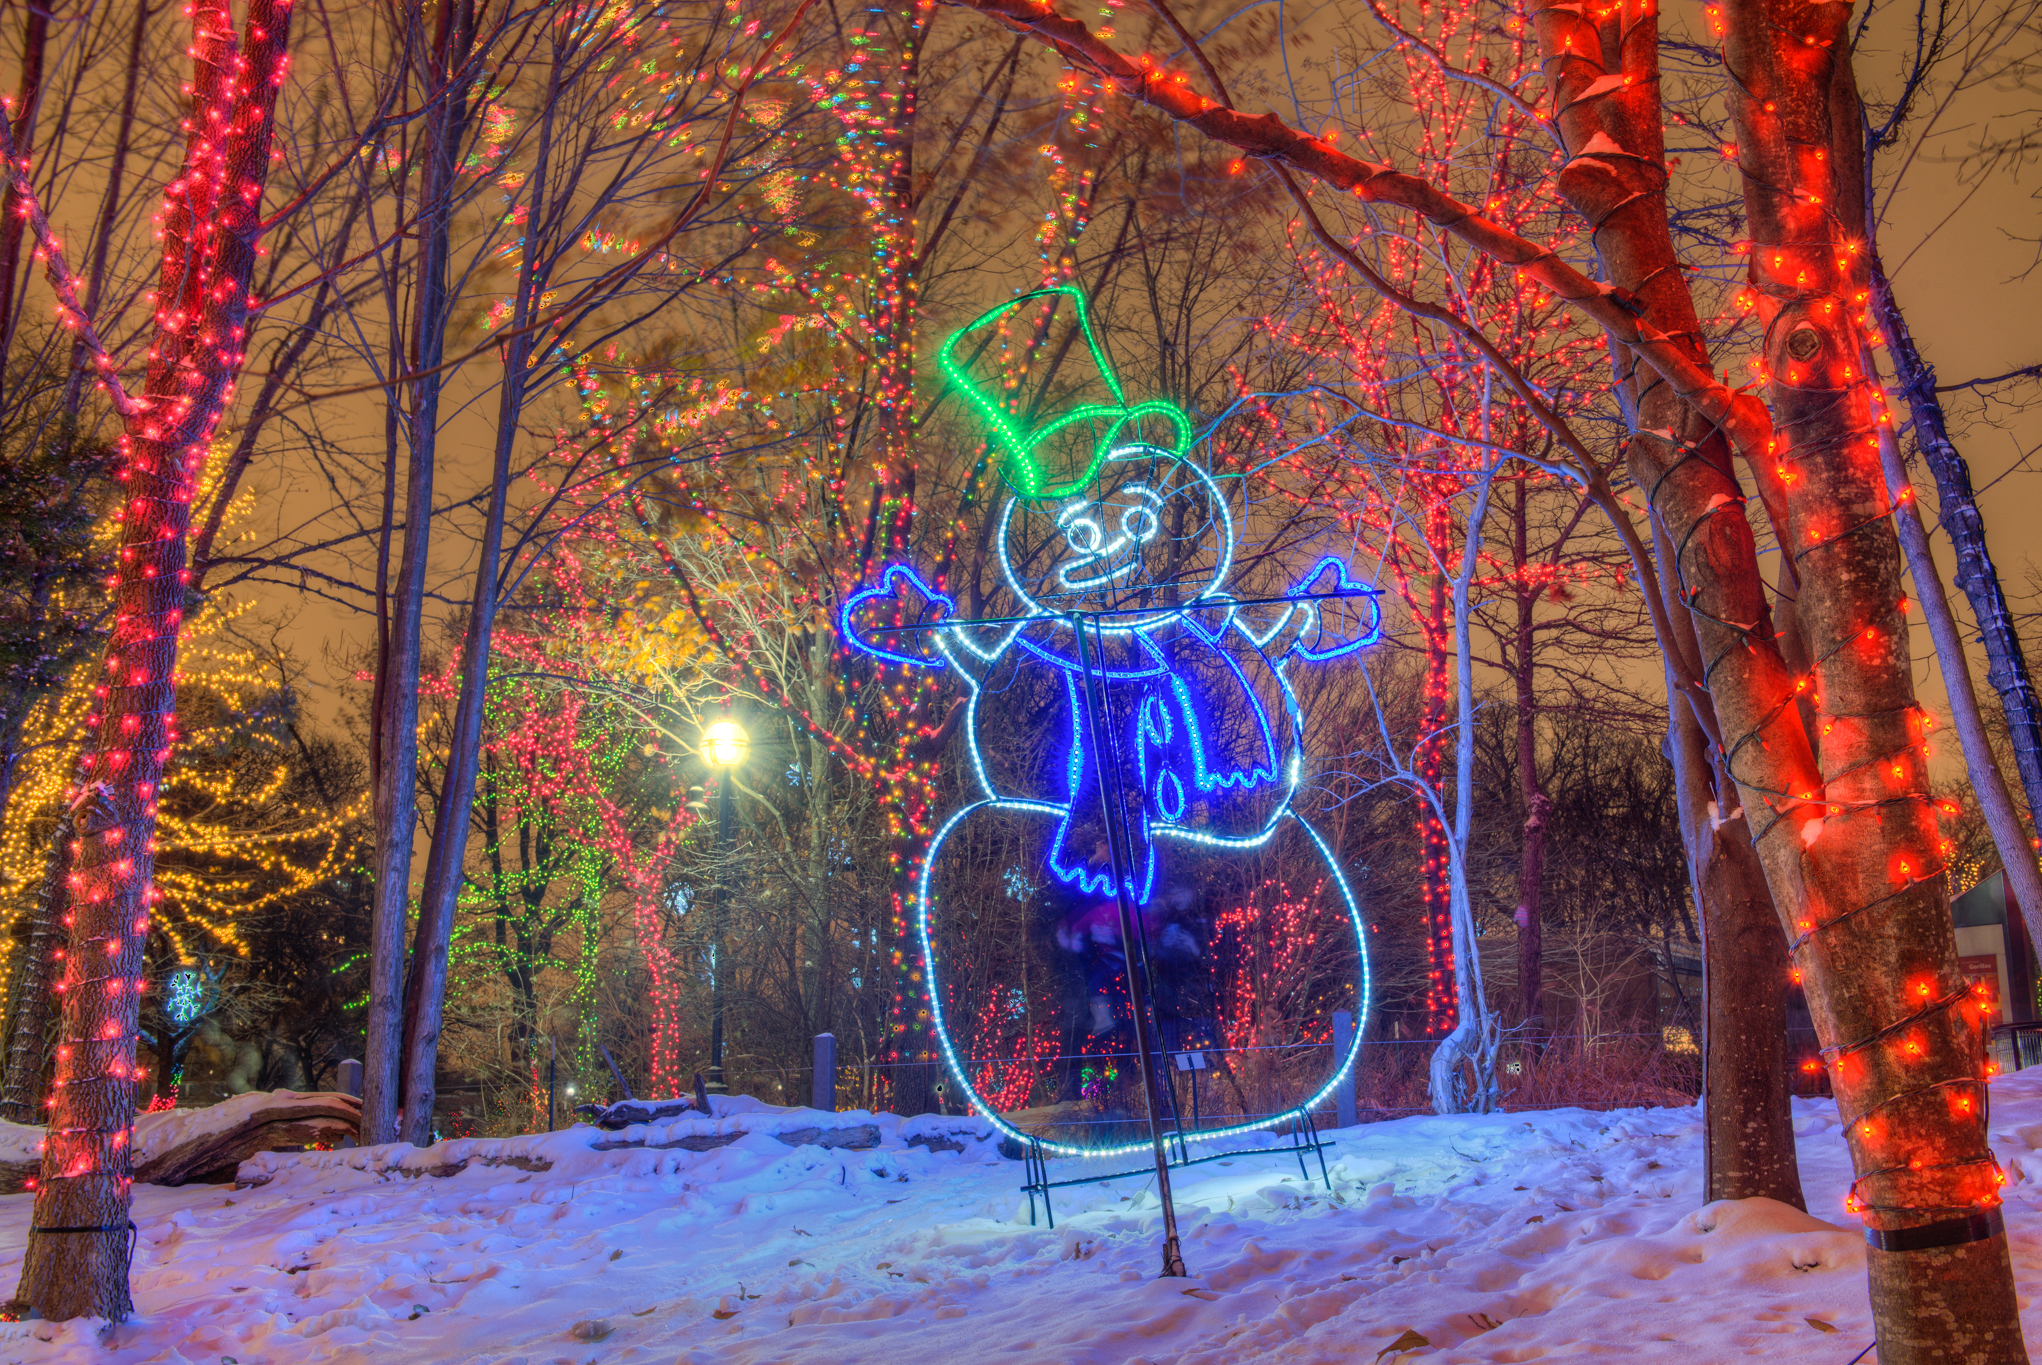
1815,723
1442,995
1604,71
1872,933
77,1258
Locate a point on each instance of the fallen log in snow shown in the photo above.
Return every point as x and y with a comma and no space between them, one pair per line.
645,1148
855,1137
189,1146
625,1113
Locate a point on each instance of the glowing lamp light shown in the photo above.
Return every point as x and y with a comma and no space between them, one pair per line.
724,743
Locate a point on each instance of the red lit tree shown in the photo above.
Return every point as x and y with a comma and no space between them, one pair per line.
1427,426
77,1257
1812,725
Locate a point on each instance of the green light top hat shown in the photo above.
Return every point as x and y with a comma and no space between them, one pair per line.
1028,449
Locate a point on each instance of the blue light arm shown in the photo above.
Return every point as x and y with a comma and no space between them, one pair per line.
872,619
1336,617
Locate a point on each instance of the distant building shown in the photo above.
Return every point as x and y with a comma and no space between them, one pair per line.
1994,951
1993,947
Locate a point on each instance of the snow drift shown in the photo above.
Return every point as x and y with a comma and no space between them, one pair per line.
1559,1236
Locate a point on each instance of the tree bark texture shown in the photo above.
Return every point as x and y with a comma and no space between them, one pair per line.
1747,1116
1748,1121
1848,847
1747,1110
77,1258
33,1000
1871,932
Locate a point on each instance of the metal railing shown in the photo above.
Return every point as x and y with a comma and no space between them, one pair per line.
2026,1042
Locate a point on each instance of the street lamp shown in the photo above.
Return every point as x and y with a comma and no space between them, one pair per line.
724,743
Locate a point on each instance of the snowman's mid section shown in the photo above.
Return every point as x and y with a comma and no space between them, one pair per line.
1170,710
1124,609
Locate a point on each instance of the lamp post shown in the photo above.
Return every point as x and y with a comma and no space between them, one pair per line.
724,743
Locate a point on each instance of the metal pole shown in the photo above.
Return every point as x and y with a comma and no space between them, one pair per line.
716,1086
1343,1038
822,1090
1132,949
616,1071
552,1062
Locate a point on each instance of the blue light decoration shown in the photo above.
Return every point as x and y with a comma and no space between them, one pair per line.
1121,573
184,996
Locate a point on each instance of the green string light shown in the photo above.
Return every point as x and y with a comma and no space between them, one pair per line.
1024,471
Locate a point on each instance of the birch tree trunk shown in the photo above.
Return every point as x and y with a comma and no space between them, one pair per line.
1463,1070
1995,802
77,1258
1977,576
400,653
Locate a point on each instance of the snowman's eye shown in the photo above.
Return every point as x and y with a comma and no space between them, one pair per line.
1084,535
1139,524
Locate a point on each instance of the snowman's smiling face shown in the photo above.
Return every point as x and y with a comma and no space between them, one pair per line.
1104,540
1151,532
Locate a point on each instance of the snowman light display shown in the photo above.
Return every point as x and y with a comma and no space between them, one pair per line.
1177,720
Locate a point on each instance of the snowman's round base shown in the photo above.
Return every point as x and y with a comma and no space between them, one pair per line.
1245,977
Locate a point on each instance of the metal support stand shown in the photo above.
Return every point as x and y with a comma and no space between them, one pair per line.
1133,948
1036,1165
1304,1137
1304,1142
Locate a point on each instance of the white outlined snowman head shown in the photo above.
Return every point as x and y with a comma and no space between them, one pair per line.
1148,538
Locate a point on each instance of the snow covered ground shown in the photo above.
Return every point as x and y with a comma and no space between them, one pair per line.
1561,1236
